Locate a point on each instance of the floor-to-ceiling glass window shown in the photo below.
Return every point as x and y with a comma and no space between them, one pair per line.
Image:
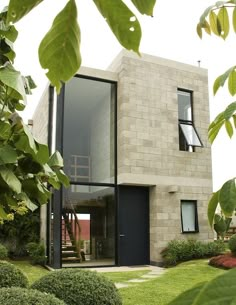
88,147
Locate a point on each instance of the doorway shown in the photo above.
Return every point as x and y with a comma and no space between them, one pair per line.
133,226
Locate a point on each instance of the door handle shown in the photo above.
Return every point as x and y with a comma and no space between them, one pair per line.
122,235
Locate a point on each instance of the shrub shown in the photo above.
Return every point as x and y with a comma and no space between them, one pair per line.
3,252
226,261
184,250
79,287
11,276
36,253
232,244
22,296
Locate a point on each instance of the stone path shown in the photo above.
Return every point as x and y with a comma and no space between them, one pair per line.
154,272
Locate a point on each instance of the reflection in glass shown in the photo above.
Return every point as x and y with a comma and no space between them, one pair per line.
88,225
184,105
190,135
188,210
88,138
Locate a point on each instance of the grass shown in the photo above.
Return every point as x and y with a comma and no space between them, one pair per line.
158,291
162,290
33,272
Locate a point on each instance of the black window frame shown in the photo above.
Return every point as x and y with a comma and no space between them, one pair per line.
196,225
183,141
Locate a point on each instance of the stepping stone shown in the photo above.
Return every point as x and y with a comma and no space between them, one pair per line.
121,285
137,280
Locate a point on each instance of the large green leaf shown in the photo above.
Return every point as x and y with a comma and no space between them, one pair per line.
59,51
229,128
219,291
144,6
30,205
10,179
62,177
187,297
5,130
19,8
234,19
229,111
7,155
12,78
42,155
212,205
220,225
122,22
214,23
3,214
227,197
223,18
56,160
8,32
232,82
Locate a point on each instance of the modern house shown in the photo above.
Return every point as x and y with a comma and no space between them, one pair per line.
134,143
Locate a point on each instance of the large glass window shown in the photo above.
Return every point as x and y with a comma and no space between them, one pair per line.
188,137
88,139
189,216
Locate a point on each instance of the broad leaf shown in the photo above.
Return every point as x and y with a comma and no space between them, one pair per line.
122,22
224,22
10,179
227,197
62,42
212,205
42,154
62,177
234,19
214,131
56,160
232,82
19,8
199,30
219,291
12,78
220,225
229,128
3,214
9,32
229,111
5,130
187,297
7,155
30,205
144,6
214,23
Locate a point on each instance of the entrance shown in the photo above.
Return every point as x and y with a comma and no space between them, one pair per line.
133,226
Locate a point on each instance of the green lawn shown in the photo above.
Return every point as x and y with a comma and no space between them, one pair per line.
158,291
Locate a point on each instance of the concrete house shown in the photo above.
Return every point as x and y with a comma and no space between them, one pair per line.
134,144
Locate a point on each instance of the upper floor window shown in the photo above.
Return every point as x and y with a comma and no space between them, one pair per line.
188,137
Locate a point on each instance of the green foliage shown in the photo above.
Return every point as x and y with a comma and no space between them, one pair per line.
59,51
184,250
79,287
17,233
16,296
232,244
221,225
3,252
218,291
24,163
11,276
36,253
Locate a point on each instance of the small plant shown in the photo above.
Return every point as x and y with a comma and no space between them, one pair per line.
22,296
11,276
36,253
184,250
232,244
3,252
79,287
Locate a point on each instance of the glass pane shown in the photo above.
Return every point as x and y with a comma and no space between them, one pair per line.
88,226
188,216
184,105
88,139
190,135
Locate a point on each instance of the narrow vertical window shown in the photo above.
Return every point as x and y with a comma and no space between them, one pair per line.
189,216
188,137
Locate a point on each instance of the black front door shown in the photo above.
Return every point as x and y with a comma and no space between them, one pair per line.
133,225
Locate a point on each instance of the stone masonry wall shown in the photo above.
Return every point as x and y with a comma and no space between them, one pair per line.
148,142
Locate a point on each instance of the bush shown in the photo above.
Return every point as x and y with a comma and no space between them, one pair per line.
79,287
226,261
22,296
184,250
11,276
232,244
3,252
36,253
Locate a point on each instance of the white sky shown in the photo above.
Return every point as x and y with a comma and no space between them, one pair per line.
171,34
